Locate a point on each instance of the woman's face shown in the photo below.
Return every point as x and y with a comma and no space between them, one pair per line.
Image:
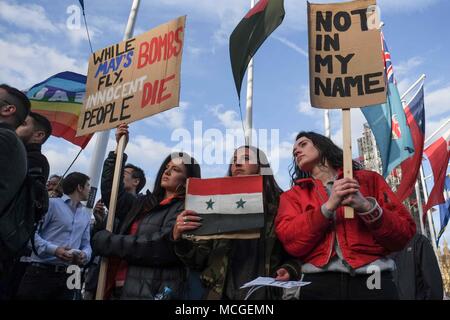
174,176
306,154
244,163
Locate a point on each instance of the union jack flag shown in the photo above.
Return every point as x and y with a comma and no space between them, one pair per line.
387,61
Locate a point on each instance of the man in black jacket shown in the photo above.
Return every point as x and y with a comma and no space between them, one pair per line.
14,108
131,183
418,276
34,132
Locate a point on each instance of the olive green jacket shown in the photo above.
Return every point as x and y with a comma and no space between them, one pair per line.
211,258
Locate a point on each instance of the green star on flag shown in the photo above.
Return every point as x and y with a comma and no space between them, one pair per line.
240,204
210,204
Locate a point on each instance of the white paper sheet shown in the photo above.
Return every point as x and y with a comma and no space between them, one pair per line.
267,281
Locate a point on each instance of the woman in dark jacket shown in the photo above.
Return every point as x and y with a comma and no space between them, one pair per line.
226,265
148,265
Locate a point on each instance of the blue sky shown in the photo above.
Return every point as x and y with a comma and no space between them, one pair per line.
35,43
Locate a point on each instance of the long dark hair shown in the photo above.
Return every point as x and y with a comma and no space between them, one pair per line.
272,190
328,151
192,171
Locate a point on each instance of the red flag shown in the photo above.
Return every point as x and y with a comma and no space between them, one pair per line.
438,155
415,115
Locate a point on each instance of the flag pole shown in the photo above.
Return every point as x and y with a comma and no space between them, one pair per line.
437,131
422,77
326,123
425,192
95,167
428,213
119,157
249,105
420,208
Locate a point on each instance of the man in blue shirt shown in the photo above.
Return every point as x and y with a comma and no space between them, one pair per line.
63,239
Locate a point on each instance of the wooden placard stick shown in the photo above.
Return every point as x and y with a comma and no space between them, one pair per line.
101,286
347,149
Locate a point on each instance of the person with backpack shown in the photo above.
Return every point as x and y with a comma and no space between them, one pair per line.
63,239
14,108
33,132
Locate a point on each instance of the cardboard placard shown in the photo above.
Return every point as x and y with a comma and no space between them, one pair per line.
133,79
345,55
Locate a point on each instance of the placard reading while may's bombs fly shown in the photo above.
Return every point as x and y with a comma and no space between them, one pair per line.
133,79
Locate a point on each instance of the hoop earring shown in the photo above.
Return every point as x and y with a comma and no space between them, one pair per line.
180,189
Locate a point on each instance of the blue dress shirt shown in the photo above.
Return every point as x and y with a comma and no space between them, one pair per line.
63,226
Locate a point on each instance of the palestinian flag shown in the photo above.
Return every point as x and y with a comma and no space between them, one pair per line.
231,204
250,34
60,98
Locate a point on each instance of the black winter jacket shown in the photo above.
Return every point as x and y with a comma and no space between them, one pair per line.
13,165
152,263
418,276
36,160
125,199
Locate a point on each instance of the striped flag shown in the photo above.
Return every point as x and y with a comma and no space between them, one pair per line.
415,115
444,210
250,34
60,98
438,154
231,204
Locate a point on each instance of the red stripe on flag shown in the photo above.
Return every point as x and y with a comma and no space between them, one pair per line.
259,7
411,166
62,131
438,155
228,185
64,125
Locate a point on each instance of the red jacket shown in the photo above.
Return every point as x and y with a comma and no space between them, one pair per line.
309,236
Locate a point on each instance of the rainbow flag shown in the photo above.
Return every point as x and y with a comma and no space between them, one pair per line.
60,98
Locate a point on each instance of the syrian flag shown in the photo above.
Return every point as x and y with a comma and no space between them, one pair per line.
231,204
250,34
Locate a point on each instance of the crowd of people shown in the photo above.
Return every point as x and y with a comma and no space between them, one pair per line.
305,235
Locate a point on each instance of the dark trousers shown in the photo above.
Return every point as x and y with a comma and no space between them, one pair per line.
343,286
12,281
44,284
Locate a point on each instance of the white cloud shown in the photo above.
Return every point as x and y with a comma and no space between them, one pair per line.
147,152
173,118
432,126
405,67
304,104
291,45
228,118
24,64
60,161
28,16
437,102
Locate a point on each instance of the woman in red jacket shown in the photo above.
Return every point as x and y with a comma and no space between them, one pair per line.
343,258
